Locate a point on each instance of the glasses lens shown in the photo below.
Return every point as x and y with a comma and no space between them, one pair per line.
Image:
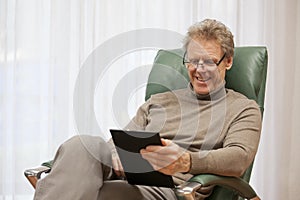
209,63
195,63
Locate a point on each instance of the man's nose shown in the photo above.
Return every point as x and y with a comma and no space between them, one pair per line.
200,66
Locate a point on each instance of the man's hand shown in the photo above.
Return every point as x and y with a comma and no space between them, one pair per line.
117,166
167,159
116,163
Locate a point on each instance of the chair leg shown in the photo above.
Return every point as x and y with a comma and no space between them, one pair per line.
33,175
33,180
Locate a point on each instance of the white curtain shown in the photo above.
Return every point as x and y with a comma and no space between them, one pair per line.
276,172
45,44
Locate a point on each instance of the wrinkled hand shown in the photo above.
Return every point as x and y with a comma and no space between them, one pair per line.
116,164
167,159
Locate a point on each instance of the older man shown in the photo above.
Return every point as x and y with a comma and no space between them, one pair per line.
204,129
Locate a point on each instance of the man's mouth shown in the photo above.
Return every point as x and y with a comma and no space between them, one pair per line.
202,79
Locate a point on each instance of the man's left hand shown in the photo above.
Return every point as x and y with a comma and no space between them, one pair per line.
168,158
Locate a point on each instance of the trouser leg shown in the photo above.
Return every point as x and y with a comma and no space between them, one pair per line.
120,190
80,166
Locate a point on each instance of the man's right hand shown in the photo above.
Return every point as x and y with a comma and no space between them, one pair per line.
116,164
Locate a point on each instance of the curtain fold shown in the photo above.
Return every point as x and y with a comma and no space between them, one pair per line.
44,44
276,170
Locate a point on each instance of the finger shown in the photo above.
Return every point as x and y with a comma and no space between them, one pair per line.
119,173
163,156
166,142
159,149
163,150
117,166
163,142
154,148
157,162
121,170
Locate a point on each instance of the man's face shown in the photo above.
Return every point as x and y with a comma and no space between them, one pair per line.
207,76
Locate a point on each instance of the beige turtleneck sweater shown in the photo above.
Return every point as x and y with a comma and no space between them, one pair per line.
221,131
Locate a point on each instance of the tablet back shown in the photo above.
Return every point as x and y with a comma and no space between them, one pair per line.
137,170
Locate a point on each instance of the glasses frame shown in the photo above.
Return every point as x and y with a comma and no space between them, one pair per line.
185,62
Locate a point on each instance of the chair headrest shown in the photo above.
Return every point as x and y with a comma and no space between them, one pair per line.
247,75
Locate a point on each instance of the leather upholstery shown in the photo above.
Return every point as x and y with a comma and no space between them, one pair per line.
247,75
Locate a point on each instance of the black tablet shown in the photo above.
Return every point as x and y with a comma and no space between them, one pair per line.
137,170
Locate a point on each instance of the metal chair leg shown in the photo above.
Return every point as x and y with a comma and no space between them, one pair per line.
33,175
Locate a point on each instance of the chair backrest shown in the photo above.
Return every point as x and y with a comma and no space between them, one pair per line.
247,76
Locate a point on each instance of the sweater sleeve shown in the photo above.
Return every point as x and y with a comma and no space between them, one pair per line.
239,147
140,120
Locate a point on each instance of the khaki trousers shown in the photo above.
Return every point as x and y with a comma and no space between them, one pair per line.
81,171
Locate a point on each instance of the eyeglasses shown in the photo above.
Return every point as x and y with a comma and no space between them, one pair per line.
207,63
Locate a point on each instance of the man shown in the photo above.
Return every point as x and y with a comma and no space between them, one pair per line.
205,128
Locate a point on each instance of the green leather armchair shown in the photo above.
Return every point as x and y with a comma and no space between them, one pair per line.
247,76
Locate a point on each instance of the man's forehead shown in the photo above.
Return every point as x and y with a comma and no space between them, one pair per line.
203,47
196,50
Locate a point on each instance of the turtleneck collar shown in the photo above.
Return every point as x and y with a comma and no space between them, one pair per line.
214,95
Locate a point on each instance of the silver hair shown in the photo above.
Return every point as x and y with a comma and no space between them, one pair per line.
210,29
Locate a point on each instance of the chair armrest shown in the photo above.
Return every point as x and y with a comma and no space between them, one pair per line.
33,175
48,163
188,189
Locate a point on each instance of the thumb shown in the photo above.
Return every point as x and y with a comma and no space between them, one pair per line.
165,142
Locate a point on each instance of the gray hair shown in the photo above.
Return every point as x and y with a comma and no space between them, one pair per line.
210,29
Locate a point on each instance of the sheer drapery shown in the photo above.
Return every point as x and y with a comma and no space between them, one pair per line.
276,173
43,45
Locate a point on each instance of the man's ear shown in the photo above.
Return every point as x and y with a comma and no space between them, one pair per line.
229,62
228,67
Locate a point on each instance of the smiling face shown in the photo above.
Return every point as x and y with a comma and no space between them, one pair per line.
205,80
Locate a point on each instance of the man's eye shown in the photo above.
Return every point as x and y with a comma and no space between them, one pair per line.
194,62
209,62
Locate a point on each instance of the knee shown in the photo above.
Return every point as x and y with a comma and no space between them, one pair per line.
95,146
